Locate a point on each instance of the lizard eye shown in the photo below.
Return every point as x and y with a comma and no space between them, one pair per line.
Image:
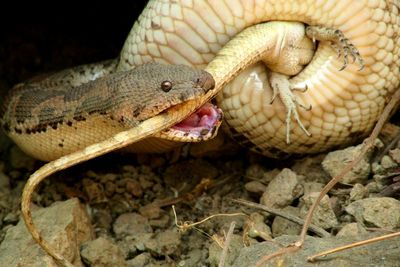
166,86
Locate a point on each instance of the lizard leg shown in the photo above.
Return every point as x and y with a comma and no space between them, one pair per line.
281,86
342,45
280,82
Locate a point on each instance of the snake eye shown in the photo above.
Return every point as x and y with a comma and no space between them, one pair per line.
166,86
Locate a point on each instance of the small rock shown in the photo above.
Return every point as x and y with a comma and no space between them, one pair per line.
107,177
255,187
185,175
310,187
255,172
377,254
335,161
65,225
102,252
395,155
387,162
109,188
193,258
94,191
131,224
134,244
215,251
160,222
141,260
268,176
324,216
351,229
133,187
4,182
120,205
311,169
257,227
282,190
130,169
373,187
282,226
151,211
102,218
381,212
164,243
217,146
358,192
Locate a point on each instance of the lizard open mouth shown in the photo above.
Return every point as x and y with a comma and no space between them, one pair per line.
201,125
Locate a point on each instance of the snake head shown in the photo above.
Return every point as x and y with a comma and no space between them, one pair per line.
152,88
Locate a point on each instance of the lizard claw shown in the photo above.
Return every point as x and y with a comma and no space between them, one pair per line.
341,44
281,86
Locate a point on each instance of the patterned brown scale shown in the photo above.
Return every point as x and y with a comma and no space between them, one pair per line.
106,105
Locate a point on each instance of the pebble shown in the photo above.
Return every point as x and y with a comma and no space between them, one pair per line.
257,228
282,226
140,260
381,212
282,190
351,229
65,225
376,254
335,161
395,155
324,216
164,243
215,251
387,162
255,187
102,252
131,224
358,192
310,167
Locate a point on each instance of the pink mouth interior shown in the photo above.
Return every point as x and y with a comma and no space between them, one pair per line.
206,117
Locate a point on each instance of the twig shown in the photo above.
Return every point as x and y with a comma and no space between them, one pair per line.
368,143
186,225
318,230
226,245
353,245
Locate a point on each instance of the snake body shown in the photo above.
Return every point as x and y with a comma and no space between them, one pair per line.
345,104
51,118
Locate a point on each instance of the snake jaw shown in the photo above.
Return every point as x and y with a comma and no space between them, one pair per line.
199,126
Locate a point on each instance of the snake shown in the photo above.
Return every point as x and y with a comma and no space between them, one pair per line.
64,112
345,102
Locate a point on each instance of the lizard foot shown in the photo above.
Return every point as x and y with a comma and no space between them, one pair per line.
342,45
281,86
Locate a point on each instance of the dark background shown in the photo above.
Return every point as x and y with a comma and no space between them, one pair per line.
38,37
41,36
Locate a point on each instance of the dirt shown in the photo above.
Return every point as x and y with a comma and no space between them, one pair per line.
128,197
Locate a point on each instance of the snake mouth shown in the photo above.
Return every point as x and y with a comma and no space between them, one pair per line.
199,126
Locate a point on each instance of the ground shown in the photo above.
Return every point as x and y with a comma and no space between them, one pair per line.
126,198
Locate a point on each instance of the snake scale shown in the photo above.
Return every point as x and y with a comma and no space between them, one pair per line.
345,104
345,101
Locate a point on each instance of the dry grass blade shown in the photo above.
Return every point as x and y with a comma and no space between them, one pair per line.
368,143
353,245
226,245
